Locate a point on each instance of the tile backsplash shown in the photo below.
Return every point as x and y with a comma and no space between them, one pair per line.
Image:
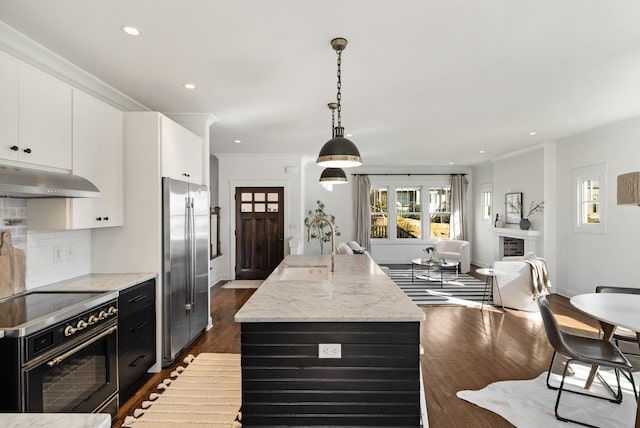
51,256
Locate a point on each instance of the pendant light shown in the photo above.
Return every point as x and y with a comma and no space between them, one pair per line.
339,152
333,175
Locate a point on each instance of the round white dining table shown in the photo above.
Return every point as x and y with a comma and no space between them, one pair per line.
612,310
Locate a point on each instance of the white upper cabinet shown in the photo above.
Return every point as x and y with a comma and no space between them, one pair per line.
97,156
8,108
181,152
44,119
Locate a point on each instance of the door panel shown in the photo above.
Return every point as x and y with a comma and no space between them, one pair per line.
259,231
200,313
176,315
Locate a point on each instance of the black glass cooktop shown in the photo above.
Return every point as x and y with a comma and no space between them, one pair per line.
22,309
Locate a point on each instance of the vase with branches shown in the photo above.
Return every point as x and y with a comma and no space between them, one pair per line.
534,207
321,230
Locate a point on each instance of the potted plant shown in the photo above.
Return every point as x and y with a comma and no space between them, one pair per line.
321,230
430,251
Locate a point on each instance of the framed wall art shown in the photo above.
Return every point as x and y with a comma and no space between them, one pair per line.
513,207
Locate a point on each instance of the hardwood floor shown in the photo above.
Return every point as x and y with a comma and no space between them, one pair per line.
465,348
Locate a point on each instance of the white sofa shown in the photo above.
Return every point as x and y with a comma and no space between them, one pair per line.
452,249
516,287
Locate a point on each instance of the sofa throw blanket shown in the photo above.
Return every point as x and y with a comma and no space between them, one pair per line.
539,277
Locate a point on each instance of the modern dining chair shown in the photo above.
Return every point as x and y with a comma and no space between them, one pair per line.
622,334
585,350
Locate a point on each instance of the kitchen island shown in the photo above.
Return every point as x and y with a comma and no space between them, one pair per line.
330,348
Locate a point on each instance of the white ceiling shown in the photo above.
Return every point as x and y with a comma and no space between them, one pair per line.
425,82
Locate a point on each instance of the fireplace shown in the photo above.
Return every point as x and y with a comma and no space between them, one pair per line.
514,242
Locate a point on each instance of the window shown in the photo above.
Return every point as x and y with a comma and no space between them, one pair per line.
590,199
400,210
440,212
485,206
379,213
408,214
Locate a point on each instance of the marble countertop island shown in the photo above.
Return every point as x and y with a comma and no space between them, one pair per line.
55,420
99,282
357,291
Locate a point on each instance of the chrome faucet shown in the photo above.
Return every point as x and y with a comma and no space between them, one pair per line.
333,236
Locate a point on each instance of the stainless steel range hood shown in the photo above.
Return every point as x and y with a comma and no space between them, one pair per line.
32,183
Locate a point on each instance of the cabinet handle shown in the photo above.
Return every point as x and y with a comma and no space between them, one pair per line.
99,218
27,150
106,219
186,175
14,148
138,326
138,298
137,361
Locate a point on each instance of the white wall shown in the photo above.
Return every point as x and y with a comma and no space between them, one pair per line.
586,260
283,170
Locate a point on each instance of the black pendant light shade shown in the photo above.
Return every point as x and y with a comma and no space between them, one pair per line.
339,152
333,175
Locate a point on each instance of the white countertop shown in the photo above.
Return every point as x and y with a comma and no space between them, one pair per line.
100,282
55,420
358,291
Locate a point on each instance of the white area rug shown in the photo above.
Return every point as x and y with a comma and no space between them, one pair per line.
529,403
243,283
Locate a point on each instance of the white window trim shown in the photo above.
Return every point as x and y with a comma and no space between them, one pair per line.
487,187
392,186
597,172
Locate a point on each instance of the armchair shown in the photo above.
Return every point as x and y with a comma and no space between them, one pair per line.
516,287
452,249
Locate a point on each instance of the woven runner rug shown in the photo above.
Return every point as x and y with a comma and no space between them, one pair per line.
466,290
243,283
205,393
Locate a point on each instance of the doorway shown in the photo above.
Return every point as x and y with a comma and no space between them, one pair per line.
259,231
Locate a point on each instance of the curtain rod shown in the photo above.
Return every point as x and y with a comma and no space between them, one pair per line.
410,174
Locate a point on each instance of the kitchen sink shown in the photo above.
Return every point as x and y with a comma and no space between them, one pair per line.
305,273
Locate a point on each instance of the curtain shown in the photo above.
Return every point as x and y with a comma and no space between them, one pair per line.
362,210
458,221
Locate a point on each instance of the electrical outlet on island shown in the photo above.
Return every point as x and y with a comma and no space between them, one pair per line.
329,350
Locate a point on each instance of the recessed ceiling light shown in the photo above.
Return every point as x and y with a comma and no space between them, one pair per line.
189,86
450,163
132,31
481,151
532,133
237,141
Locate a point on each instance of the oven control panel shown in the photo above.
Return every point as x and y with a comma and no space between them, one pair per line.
39,343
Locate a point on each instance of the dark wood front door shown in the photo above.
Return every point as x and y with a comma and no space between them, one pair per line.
259,231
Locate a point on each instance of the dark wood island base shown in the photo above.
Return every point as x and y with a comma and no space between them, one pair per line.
375,382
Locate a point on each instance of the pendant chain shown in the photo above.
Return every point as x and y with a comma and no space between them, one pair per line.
339,96
333,123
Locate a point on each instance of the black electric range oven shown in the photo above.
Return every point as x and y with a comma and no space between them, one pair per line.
59,353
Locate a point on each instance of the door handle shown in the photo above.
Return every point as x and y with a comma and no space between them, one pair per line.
61,358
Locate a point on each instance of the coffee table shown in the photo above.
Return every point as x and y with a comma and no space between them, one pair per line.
436,270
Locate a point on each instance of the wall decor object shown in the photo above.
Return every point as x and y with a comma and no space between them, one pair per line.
513,207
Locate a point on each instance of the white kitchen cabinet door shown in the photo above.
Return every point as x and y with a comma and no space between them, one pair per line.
97,156
181,152
44,119
8,108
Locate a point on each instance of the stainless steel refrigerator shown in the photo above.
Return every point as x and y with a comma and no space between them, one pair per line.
185,263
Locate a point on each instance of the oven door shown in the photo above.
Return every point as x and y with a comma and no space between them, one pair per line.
79,379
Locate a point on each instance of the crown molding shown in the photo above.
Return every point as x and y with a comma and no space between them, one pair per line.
21,47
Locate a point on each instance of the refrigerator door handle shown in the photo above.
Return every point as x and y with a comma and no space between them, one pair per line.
188,250
192,257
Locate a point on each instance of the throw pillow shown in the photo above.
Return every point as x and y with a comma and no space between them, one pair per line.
357,249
